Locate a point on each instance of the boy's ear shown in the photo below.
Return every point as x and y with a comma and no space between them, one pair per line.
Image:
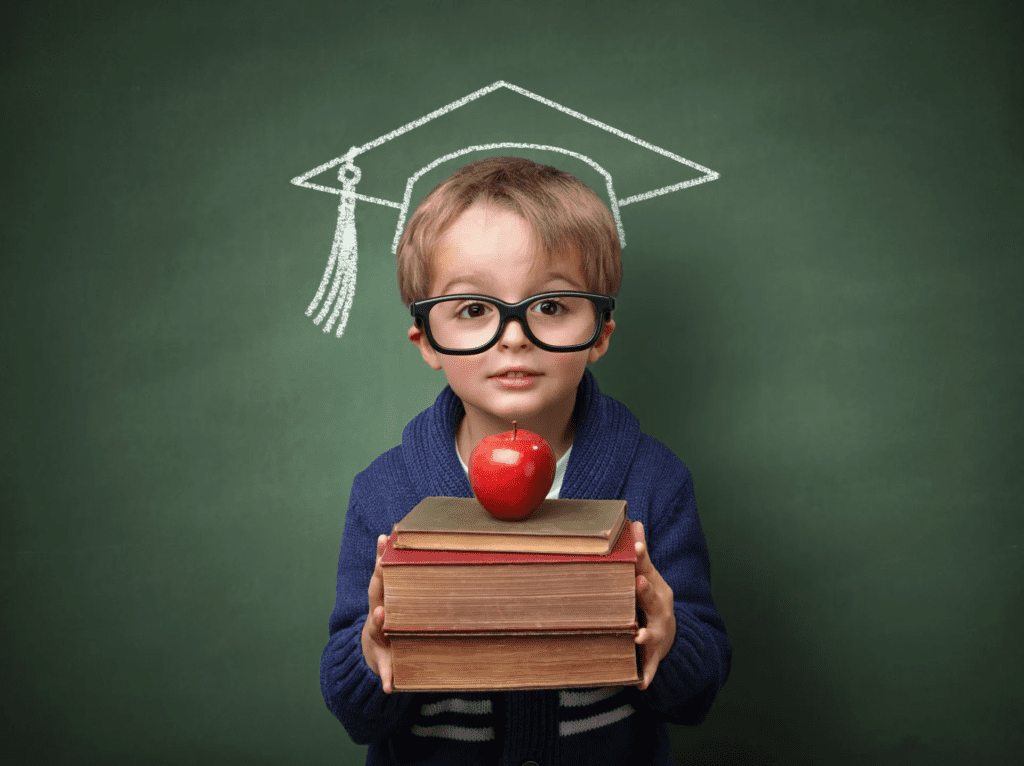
419,339
598,350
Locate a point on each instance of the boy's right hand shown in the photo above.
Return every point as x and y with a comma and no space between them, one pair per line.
376,647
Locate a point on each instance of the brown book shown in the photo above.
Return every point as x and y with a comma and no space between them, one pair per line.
513,661
459,591
556,526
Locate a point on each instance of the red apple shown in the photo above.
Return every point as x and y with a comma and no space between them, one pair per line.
511,472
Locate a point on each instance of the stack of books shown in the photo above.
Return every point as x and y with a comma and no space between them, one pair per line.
474,603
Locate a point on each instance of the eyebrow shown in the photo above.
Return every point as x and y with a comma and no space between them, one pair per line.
470,280
474,281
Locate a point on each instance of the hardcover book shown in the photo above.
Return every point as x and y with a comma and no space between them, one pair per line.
513,661
556,526
461,620
484,591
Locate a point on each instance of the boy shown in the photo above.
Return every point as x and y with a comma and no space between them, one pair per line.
510,233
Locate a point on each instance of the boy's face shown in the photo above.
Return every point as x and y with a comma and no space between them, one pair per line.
491,251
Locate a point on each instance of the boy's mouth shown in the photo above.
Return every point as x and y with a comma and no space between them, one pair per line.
515,373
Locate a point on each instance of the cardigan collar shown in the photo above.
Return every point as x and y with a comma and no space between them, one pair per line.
607,436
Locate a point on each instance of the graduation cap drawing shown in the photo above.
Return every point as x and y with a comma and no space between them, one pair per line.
333,299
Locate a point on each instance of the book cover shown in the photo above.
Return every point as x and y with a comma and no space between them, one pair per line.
556,526
622,550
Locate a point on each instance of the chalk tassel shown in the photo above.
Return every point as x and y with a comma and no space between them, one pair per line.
342,263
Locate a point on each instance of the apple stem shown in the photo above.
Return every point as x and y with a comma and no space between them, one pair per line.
513,430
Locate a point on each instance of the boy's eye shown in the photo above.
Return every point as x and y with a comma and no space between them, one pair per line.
472,310
551,308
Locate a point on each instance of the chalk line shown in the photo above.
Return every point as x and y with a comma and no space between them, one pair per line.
340,273
404,208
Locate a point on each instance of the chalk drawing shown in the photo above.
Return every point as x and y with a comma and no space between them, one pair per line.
341,266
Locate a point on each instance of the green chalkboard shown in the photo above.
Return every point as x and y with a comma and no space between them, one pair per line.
828,334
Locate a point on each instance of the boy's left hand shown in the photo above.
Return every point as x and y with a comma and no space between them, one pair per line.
655,596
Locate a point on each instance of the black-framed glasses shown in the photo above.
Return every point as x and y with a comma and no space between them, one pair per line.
470,324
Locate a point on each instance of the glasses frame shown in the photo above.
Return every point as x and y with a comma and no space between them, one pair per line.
605,305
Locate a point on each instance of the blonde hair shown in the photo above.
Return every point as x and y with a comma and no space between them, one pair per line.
566,216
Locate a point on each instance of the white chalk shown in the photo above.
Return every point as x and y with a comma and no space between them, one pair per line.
341,266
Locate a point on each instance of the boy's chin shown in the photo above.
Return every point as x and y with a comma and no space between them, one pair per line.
507,406
525,408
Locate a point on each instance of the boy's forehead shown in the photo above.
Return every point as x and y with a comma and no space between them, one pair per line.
543,265
482,242
489,224
397,168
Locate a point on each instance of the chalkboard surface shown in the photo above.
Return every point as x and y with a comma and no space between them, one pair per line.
828,334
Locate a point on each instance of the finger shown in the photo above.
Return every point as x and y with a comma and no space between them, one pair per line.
641,641
375,591
377,627
649,668
650,661
381,542
646,671
643,591
643,559
648,637
387,679
639,533
645,594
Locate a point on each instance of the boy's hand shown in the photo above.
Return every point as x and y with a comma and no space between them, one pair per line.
376,648
655,596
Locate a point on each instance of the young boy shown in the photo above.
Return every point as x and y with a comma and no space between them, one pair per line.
508,231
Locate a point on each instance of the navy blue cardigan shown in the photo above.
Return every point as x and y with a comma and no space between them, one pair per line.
610,459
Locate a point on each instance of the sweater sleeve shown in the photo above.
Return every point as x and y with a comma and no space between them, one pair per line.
690,675
352,691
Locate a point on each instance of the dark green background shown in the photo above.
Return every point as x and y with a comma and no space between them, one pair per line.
829,335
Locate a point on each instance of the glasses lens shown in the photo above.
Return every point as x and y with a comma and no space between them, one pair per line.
562,320
463,323
559,321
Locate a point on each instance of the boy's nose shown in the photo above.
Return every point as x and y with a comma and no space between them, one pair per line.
513,336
